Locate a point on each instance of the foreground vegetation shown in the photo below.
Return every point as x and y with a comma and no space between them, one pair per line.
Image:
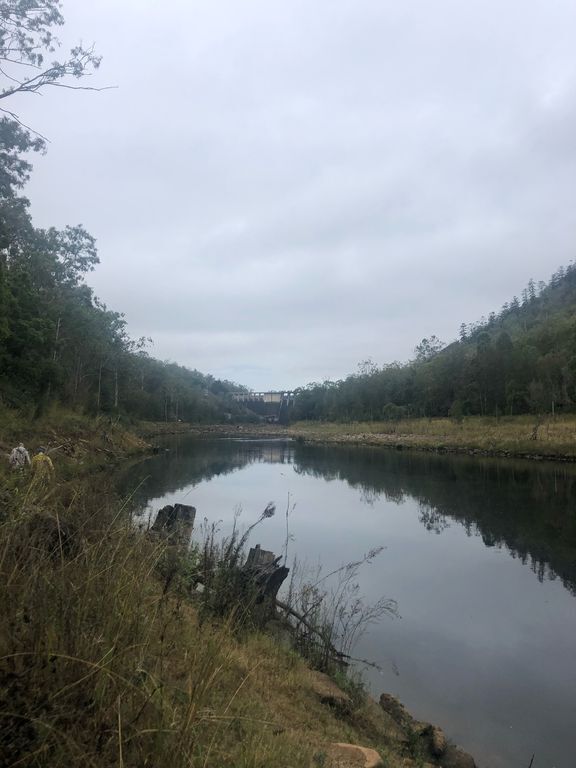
106,657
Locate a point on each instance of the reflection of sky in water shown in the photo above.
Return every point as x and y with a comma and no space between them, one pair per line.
483,648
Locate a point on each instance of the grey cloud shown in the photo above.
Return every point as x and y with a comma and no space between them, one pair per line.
279,190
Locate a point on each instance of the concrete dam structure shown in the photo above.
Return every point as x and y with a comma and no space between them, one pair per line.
271,406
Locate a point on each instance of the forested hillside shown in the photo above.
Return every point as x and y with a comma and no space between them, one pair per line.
520,360
57,340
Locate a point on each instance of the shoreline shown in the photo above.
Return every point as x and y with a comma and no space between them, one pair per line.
87,450
505,439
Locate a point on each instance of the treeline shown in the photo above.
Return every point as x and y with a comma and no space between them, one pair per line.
58,342
519,360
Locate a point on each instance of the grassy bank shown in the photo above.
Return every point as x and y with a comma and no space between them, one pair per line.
104,660
77,444
522,436
107,658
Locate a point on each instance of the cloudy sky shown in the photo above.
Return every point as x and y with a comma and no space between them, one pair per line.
280,190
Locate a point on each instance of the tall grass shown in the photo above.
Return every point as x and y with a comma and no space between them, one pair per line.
101,662
228,588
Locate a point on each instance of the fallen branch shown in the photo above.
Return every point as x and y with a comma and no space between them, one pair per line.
285,607
343,658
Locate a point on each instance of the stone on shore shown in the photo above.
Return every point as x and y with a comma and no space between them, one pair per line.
352,756
432,741
397,711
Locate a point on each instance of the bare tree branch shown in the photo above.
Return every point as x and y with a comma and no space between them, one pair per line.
15,117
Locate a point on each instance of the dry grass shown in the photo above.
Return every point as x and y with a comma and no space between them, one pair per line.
75,442
103,664
555,437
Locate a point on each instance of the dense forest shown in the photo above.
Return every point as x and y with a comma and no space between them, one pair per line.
520,360
58,342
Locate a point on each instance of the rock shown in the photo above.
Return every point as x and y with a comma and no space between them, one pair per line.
436,742
329,693
352,756
457,758
432,740
397,711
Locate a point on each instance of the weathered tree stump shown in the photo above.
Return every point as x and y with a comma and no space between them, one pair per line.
263,569
175,522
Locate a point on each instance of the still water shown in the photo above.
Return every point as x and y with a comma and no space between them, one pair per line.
479,554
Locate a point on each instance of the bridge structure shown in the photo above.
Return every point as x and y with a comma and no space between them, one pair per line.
273,406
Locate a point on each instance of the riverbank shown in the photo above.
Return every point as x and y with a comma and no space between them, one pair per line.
105,658
77,444
525,437
73,573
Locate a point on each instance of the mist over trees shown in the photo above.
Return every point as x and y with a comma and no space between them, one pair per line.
519,360
58,342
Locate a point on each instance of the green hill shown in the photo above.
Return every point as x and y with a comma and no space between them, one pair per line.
520,360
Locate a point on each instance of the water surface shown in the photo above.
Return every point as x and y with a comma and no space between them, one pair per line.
480,555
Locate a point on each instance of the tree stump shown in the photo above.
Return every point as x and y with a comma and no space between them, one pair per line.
175,523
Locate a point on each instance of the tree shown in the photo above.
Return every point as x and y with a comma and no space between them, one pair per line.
367,367
26,38
428,348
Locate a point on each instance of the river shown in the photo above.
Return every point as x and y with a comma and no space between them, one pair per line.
480,555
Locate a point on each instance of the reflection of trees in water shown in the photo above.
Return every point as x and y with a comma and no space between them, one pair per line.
188,461
432,519
524,507
369,496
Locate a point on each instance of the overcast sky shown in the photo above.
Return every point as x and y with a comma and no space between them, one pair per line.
280,190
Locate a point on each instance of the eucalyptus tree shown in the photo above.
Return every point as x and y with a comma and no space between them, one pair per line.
27,39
